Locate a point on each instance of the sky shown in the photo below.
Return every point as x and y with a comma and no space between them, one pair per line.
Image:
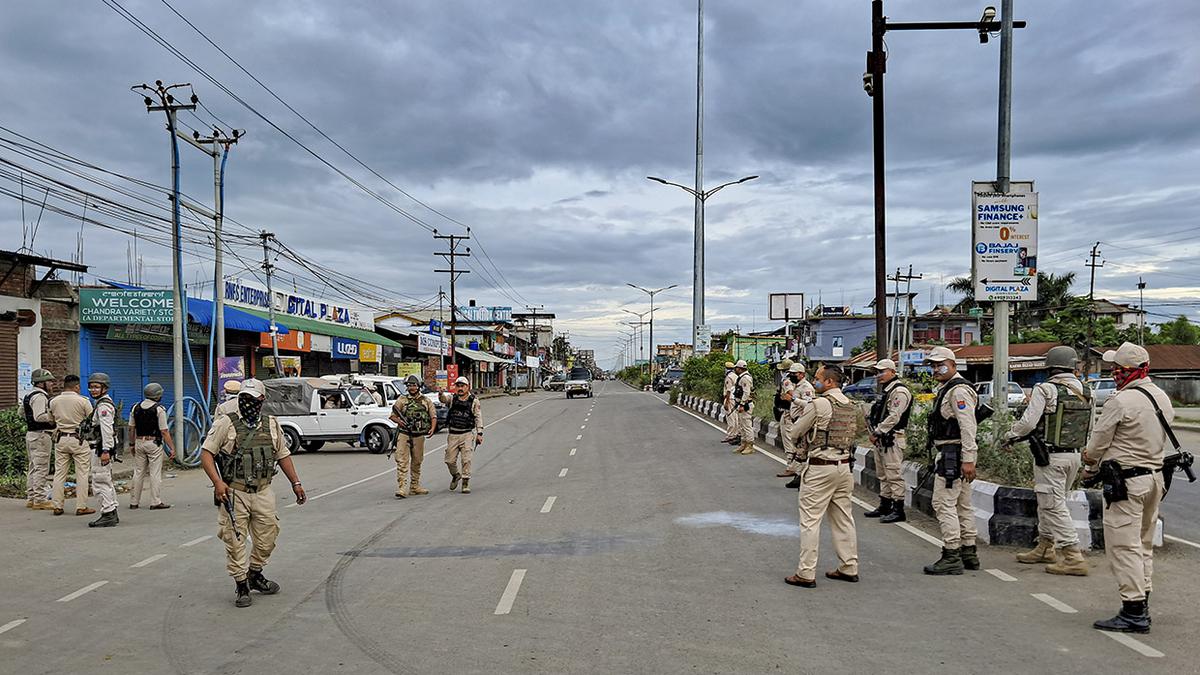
536,124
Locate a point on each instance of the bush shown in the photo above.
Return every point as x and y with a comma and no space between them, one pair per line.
634,376
12,443
1013,466
673,396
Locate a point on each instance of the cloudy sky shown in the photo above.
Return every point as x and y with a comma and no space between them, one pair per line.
537,122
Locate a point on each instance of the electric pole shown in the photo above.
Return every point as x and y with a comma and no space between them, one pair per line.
1092,303
1141,286
900,328
451,256
266,237
533,339
441,329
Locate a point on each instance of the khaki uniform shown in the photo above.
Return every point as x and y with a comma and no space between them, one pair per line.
227,407
461,446
732,430
102,478
802,397
888,461
827,483
69,409
786,389
254,513
38,445
745,407
1052,484
410,448
952,506
148,456
1128,431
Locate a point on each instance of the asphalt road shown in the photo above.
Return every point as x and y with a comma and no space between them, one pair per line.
1181,509
613,534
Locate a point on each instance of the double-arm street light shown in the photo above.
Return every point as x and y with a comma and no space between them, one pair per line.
652,293
637,326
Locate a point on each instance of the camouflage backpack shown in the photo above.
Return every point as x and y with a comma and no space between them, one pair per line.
415,415
1068,424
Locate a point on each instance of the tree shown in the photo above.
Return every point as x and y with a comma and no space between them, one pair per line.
1180,331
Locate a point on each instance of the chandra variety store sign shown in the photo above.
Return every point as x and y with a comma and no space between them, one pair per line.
119,306
238,292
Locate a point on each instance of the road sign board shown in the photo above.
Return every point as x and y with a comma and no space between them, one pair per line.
703,339
785,306
1004,237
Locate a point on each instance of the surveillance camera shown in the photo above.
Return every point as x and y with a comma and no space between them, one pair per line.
989,14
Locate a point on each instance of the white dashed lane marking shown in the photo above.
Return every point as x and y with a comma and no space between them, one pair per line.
549,504
147,561
562,473
86,589
1001,575
1135,644
510,593
579,437
1177,540
1055,603
573,451
195,541
11,625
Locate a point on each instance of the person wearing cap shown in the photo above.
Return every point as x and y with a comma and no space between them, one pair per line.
230,404
801,396
104,444
464,424
1130,433
952,428
783,399
743,401
1062,430
39,425
887,423
149,431
69,410
732,430
240,455
416,420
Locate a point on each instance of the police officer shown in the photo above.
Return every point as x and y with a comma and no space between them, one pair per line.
783,401
1130,434
952,433
39,424
1059,415
149,431
827,484
230,404
416,420
801,396
732,430
886,423
70,410
743,401
464,423
104,444
239,456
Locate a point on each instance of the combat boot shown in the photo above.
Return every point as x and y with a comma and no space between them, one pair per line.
746,448
1042,553
106,519
970,557
416,489
950,563
1070,562
466,490
897,514
257,582
243,595
884,508
402,493
454,478
1134,617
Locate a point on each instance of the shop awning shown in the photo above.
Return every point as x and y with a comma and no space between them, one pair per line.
482,356
325,328
201,311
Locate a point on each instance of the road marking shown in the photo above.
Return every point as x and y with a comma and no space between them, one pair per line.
549,504
1001,575
195,541
923,535
147,561
1177,540
11,625
579,437
1055,603
573,451
583,427
510,592
1131,642
562,474
86,589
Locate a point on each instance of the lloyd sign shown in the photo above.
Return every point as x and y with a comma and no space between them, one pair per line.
343,348
111,305
1004,240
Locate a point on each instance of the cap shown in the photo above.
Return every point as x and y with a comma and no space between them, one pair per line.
462,380
254,388
740,364
885,364
729,364
784,364
939,354
1128,355
232,386
797,367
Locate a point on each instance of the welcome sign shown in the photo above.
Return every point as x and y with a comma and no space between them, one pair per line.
120,306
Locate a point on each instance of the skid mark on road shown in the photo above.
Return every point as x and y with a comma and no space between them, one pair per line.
746,522
566,547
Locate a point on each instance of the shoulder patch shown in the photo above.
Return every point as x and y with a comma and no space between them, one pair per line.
962,405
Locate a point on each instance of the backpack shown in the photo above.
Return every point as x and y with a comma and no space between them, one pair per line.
1068,424
415,415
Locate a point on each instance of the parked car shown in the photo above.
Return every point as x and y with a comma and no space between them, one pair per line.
555,382
1016,395
391,388
668,379
578,383
865,389
312,412
1102,389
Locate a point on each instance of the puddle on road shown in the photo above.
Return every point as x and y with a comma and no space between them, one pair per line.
746,522
569,547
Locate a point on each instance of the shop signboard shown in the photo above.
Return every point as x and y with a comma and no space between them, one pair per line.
343,348
292,341
230,368
432,344
156,332
1004,242
451,372
290,364
485,314
410,368
533,362
249,294
703,338
121,306
368,352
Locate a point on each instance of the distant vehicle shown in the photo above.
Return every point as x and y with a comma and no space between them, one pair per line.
578,383
1102,389
1016,395
864,389
555,382
668,379
312,412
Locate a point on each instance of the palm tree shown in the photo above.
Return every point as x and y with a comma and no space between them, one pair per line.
966,286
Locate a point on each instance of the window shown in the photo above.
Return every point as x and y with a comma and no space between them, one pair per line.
925,334
954,335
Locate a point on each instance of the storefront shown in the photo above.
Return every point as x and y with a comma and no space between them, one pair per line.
326,348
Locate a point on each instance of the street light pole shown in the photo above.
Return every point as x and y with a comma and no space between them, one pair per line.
652,293
698,192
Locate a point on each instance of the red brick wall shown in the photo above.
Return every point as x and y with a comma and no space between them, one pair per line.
18,283
60,348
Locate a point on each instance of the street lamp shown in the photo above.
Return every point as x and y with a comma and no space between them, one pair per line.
701,197
652,293
638,327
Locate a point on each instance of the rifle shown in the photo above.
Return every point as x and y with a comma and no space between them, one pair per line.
1037,447
1181,460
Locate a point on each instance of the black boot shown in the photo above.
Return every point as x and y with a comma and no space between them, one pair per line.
897,514
106,519
970,557
243,594
884,508
1134,617
950,563
258,582
794,483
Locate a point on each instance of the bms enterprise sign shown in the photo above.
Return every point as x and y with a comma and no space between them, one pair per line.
1004,237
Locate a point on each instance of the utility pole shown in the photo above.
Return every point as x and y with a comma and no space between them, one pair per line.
1092,304
698,230
167,103
266,237
908,279
895,341
900,328
451,256
873,83
1003,176
652,293
442,323
1141,312
533,339
224,141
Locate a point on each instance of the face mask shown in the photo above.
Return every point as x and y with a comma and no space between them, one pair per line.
1123,376
942,370
250,409
818,385
794,377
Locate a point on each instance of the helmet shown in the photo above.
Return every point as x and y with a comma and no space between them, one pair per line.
1061,357
153,391
42,375
412,379
99,378
784,364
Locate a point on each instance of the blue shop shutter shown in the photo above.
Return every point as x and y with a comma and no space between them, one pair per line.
159,368
122,361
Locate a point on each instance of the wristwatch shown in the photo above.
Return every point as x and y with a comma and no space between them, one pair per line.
295,484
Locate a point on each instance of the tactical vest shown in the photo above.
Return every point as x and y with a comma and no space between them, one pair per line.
415,416
27,404
839,434
461,416
1068,424
91,432
252,462
879,408
145,422
738,389
940,428
781,406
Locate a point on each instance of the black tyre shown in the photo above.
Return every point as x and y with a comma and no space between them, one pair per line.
376,440
292,439
312,446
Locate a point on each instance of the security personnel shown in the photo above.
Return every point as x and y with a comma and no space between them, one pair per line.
70,410
149,431
464,423
1060,416
783,401
743,402
239,457
39,425
952,431
230,404
732,430
887,422
1130,434
416,420
104,444
827,485
801,396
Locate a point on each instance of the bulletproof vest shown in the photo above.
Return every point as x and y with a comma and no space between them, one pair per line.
940,428
89,428
27,404
252,462
415,416
145,421
879,408
1068,424
738,389
839,435
461,416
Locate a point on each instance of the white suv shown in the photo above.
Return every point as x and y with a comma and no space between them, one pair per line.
579,383
1016,396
